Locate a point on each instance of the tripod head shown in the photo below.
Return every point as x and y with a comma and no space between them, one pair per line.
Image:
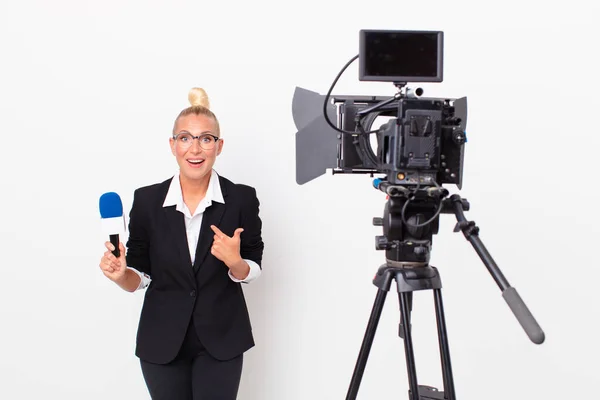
410,219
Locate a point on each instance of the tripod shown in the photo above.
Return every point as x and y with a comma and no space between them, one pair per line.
410,221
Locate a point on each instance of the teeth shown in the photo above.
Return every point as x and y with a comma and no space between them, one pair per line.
195,161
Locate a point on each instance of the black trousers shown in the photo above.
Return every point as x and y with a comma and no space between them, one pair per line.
194,374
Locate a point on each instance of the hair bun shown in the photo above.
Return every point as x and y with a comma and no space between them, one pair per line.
198,97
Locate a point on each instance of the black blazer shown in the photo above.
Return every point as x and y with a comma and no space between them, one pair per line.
157,245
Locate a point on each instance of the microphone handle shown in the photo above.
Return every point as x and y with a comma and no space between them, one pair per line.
114,239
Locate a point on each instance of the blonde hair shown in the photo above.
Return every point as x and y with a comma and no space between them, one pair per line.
200,105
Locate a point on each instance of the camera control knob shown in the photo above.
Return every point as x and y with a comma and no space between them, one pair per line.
381,243
459,137
378,221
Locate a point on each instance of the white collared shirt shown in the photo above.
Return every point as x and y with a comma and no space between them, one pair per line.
193,222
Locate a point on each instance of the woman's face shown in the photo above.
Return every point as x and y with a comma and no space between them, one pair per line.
196,162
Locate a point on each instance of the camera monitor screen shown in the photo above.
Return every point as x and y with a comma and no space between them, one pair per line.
401,56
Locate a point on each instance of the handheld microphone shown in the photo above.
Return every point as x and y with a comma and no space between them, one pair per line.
111,212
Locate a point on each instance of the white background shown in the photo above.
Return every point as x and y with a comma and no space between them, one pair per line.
88,95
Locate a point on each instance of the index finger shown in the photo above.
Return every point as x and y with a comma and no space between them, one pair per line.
217,231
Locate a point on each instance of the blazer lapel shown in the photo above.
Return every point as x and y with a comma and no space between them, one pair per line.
176,224
212,216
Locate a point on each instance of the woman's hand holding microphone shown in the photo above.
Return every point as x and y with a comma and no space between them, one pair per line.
116,269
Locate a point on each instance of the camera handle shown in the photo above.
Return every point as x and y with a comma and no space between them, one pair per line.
510,294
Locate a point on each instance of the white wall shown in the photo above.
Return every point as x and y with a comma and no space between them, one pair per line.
88,94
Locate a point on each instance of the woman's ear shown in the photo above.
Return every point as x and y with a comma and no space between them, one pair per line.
220,146
172,144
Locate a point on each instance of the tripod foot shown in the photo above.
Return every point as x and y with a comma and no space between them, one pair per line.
429,393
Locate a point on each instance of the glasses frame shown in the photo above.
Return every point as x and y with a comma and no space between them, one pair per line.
196,137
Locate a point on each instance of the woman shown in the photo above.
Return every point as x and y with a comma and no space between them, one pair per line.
193,239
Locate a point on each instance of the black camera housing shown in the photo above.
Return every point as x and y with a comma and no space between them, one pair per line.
423,143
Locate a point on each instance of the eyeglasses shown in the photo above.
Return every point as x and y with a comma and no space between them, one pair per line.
206,141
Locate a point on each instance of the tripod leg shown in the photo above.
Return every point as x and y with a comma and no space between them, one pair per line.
408,346
444,348
401,328
365,348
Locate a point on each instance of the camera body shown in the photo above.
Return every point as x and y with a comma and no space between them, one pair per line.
422,144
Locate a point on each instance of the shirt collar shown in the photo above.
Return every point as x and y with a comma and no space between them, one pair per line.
174,196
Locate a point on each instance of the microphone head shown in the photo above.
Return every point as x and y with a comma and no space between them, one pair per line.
111,205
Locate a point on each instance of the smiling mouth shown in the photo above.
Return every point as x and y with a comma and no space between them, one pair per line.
195,162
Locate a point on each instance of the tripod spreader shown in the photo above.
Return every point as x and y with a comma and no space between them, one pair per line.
512,298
